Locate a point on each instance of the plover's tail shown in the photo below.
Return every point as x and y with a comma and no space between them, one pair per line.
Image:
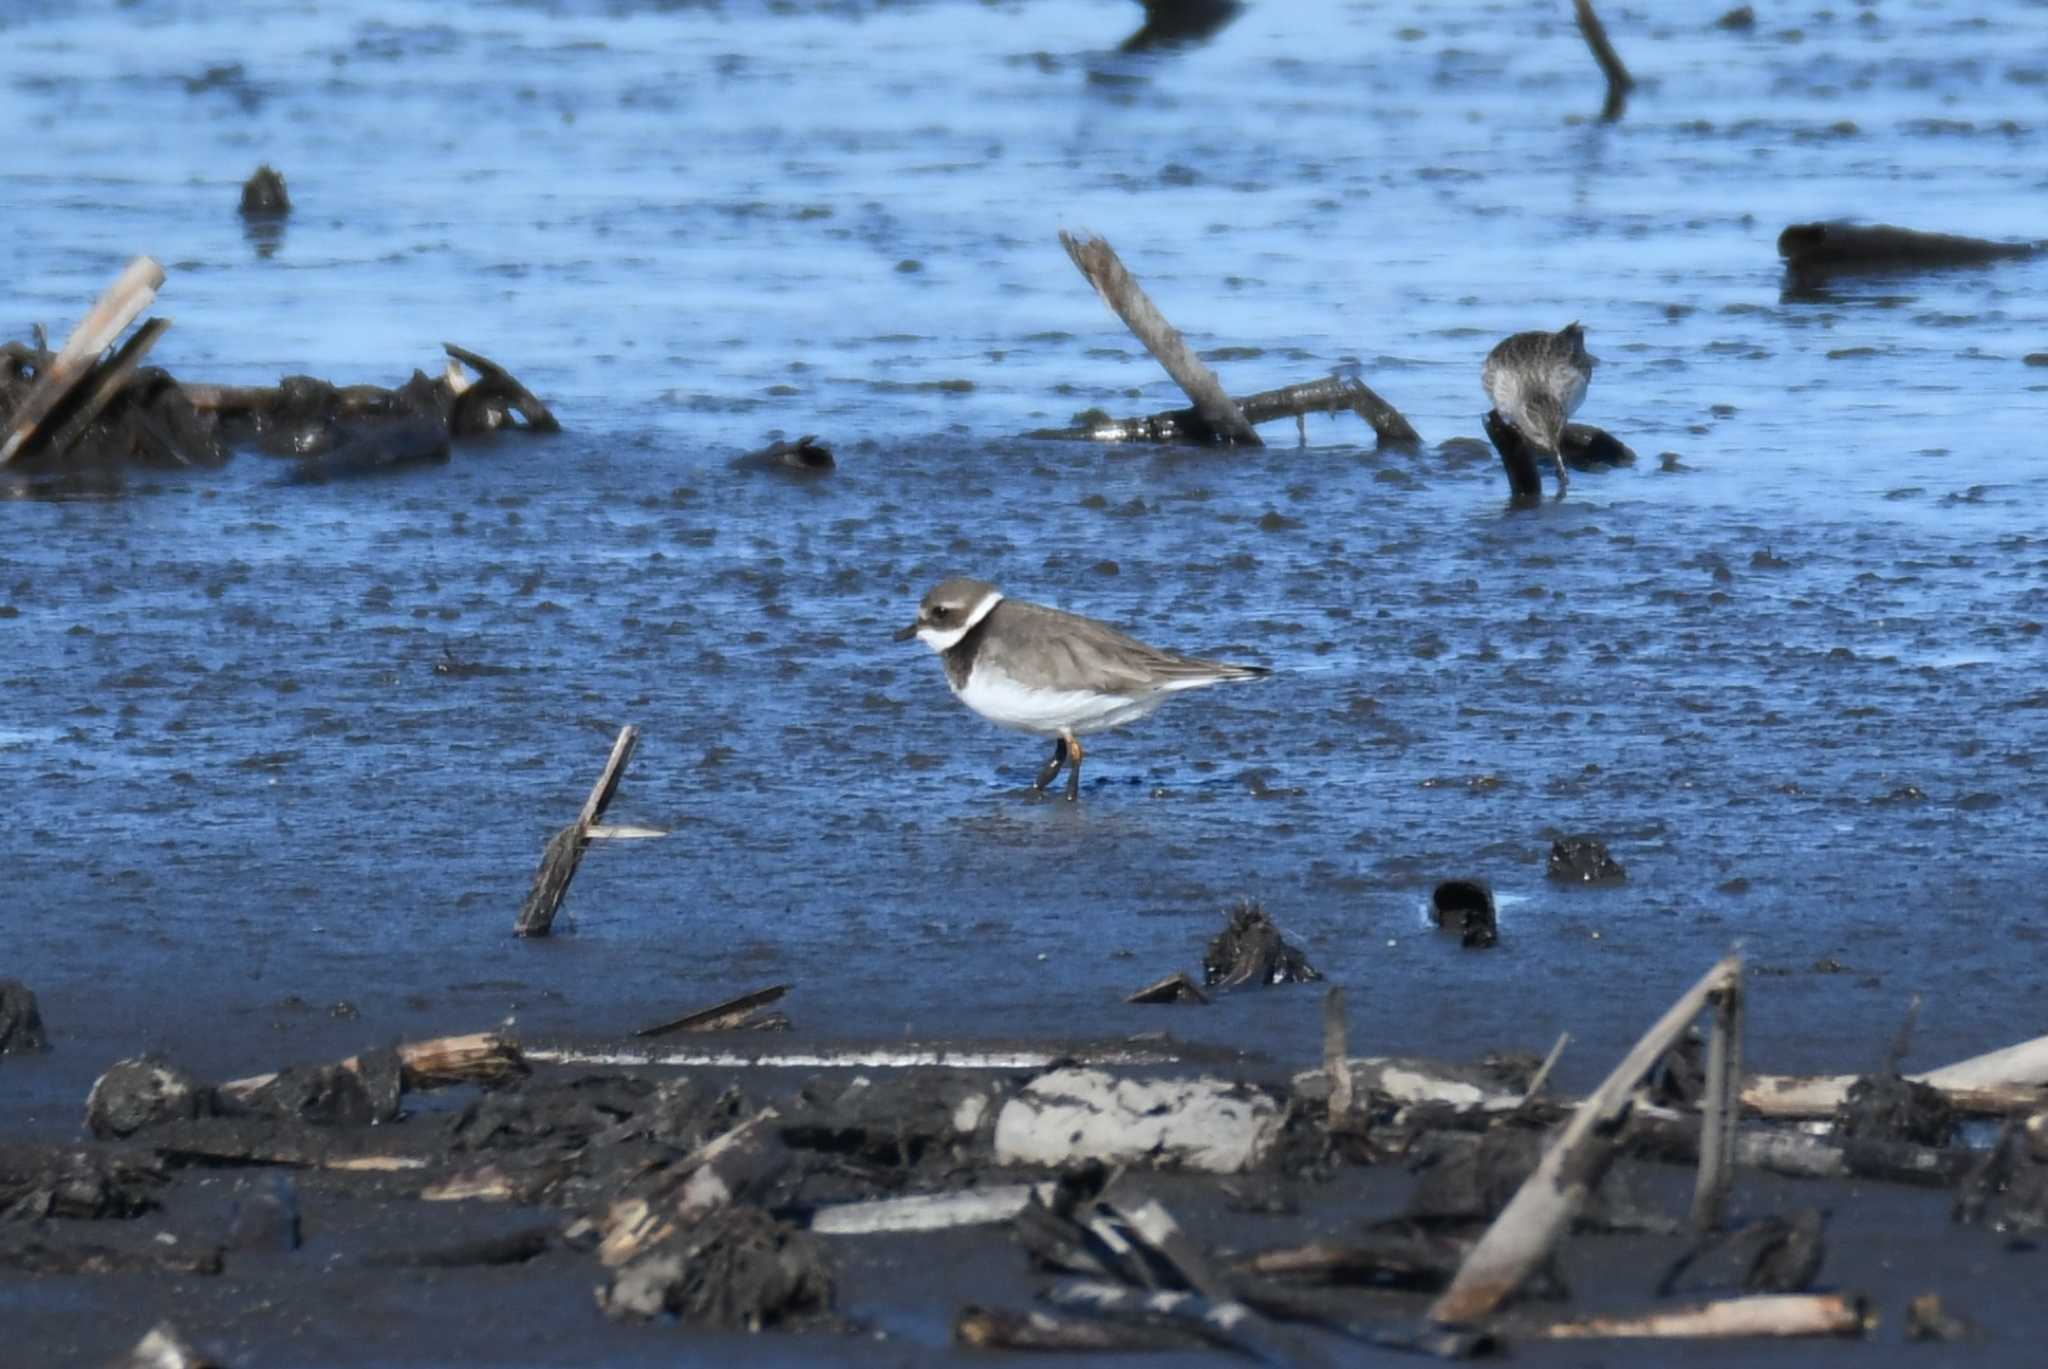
1188,672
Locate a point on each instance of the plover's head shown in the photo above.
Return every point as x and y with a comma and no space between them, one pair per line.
950,612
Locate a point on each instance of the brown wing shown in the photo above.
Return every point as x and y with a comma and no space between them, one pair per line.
1066,651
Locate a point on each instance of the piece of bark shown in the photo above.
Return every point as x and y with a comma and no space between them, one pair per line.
120,305
565,849
1098,261
1762,1314
1619,82
1175,988
1523,1236
486,1058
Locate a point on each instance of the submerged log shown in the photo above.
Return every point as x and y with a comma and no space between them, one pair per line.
733,1014
1331,395
1833,248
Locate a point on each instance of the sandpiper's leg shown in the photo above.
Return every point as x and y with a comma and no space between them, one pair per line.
1052,767
1557,456
1073,765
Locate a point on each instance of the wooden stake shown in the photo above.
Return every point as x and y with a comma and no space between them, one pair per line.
565,851
1542,1209
1336,1058
1098,261
121,304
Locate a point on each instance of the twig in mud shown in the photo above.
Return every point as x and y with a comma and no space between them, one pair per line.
2013,1079
1335,1052
565,850
1619,82
1542,1209
1098,261
1542,1075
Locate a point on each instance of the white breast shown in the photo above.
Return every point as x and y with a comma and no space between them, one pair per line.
1000,699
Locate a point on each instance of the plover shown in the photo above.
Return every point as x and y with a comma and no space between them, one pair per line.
1054,674
1538,380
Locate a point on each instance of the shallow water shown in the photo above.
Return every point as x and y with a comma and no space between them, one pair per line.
1796,683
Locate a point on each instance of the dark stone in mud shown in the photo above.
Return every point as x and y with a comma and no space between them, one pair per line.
1583,860
1889,1107
1465,906
736,1269
801,457
1740,20
134,1094
1250,950
263,195
38,1182
514,1248
265,1218
21,1021
1822,249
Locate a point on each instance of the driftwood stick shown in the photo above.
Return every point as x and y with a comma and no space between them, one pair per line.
473,1058
1330,395
1761,1314
733,1012
499,383
565,851
1543,1071
1098,261
118,371
1542,1209
120,305
1719,1110
2009,1080
1619,82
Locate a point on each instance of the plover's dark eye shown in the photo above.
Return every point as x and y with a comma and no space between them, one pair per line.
941,613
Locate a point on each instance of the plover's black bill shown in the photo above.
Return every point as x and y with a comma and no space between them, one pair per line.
904,634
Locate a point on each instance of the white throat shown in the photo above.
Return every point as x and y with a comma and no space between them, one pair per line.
943,641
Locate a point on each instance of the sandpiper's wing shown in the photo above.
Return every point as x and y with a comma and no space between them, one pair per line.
1051,649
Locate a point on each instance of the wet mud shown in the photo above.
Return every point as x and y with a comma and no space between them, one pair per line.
286,756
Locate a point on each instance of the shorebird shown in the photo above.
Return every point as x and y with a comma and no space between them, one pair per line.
1051,673
1536,381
